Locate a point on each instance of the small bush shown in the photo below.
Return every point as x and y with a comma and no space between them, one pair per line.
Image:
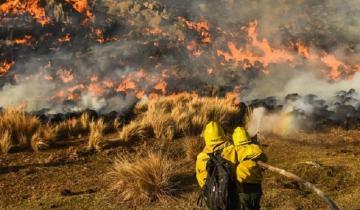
146,178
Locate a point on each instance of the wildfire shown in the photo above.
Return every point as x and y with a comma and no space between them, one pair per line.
29,6
126,84
165,59
25,40
80,6
108,83
99,36
248,55
329,60
193,49
5,67
65,38
161,85
201,27
305,51
66,75
96,89
334,64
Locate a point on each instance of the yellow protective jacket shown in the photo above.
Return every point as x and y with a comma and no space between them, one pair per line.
247,171
228,154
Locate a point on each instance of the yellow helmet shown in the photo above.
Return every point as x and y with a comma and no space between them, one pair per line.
213,133
240,136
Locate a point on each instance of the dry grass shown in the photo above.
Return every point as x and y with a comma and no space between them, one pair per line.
164,118
136,131
180,115
96,137
5,141
73,127
163,127
84,121
146,178
17,129
38,143
192,147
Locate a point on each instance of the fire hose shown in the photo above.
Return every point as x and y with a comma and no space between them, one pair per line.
307,184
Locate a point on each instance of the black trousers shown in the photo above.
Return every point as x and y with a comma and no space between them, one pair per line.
249,197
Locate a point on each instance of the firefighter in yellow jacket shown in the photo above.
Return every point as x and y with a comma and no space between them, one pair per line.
248,173
214,137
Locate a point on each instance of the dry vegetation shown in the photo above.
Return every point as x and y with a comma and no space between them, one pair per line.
165,118
143,178
17,129
177,116
157,160
96,138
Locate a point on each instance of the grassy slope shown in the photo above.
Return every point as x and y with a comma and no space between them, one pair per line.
66,178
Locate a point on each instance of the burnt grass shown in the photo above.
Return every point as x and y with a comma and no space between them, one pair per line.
69,177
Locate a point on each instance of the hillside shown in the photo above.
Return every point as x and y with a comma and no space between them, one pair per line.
70,174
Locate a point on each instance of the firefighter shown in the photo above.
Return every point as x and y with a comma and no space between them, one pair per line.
214,137
248,173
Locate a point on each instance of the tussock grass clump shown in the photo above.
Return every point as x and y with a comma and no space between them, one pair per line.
180,115
96,137
163,127
5,141
17,129
74,127
38,143
147,178
136,131
192,147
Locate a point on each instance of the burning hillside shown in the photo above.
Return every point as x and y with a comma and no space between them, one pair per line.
70,55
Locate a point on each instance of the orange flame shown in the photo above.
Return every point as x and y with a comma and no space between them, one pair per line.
29,6
5,67
96,89
108,83
201,27
246,56
81,6
305,51
65,38
161,85
334,64
66,75
127,84
25,40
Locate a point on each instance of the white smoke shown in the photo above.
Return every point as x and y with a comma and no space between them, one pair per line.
281,83
34,94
